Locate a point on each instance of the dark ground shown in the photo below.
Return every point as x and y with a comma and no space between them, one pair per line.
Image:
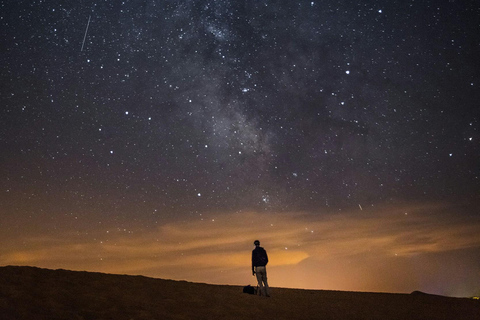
34,293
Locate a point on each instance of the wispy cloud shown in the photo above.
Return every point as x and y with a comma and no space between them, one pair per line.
225,242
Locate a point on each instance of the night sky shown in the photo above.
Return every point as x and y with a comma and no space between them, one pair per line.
163,137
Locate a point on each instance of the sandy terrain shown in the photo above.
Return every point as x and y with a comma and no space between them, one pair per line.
33,293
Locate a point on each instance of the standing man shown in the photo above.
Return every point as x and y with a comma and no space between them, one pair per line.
259,262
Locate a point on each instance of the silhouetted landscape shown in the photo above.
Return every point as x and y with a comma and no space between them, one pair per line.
34,293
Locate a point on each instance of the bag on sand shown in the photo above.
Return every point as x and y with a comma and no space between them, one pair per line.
249,289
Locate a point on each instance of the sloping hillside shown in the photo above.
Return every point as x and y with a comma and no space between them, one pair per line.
33,293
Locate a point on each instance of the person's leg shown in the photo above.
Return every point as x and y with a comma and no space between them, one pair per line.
264,280
259,275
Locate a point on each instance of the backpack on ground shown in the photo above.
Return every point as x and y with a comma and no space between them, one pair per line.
250,290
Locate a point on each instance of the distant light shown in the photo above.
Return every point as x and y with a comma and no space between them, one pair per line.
111,151
380,11
126,112
347,72
199,194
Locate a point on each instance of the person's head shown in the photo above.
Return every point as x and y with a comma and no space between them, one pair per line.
256,243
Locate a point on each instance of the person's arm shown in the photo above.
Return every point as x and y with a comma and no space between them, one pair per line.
253,267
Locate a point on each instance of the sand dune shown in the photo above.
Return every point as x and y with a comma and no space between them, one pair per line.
34,293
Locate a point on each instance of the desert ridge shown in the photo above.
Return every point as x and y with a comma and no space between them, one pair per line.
33,293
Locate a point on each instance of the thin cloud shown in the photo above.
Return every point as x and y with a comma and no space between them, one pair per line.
178,249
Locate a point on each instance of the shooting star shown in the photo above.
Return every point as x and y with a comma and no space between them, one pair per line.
86,30
360,207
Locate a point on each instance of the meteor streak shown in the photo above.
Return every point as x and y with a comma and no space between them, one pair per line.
85,36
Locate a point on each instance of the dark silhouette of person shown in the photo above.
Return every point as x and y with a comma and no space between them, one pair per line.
259,263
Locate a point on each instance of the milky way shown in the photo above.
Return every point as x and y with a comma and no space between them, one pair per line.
137,114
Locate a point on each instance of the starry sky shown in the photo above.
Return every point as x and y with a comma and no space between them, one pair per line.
162,137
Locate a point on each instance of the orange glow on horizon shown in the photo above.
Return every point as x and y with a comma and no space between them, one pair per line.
358,250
